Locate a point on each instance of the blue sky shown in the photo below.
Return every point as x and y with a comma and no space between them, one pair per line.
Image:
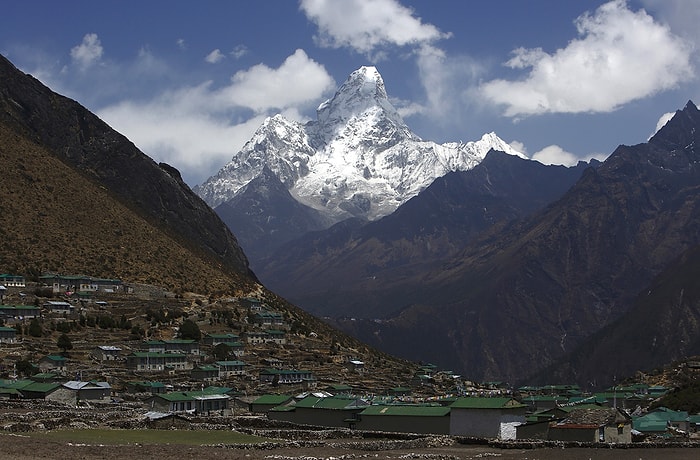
189,82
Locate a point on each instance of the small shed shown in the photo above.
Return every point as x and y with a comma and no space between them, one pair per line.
602,424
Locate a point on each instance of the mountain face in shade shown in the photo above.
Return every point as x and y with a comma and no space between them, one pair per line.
340,271
91,149
264,215
522,295
661,326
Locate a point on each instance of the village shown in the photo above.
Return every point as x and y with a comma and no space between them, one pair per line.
165,359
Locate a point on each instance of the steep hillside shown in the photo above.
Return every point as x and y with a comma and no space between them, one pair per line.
55,219
662,326
342,273
78,138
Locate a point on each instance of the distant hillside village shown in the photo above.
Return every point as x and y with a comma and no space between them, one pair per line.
86,342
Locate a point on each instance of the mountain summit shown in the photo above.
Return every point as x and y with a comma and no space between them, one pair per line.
360,102
357,159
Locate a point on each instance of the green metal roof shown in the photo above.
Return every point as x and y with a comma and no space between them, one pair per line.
206,368
406,411
148,384
18,307
55,358
336,403
39,387
9,391
486,403
16,384
229,363
272,399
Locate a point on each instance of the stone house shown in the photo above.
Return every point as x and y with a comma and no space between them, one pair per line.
602,424
106,353
205,373
486,417
8,334
661,422
27,389
355,365
9,280
268,318
199,402
80,283
332,411
405,419
215,339
148,361
59,307
230,368
187,346
75,391
146,387
53,363
285,376
19,312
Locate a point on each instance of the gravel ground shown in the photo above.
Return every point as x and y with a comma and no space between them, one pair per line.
22,447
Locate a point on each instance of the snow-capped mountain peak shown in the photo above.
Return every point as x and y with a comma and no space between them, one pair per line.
358,158
360,101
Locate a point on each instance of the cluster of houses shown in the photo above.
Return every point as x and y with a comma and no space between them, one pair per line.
555,412
547,415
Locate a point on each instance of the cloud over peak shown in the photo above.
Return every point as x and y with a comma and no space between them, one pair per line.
367,25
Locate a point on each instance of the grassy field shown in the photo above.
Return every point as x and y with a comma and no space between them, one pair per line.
120,437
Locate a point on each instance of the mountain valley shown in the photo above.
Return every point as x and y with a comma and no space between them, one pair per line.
465,255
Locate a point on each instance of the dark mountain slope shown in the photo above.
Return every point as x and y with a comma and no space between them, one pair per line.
343,271
83,141
264,216
522,296
662,326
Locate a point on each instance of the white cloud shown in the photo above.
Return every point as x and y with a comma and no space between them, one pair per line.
367,25
181,43
88,52
215,56
239,51
297,81
181,134
518,147
662,121
555,155
448,83
198,128
620,56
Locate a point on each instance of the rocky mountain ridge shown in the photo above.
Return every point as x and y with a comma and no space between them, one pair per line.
358,158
